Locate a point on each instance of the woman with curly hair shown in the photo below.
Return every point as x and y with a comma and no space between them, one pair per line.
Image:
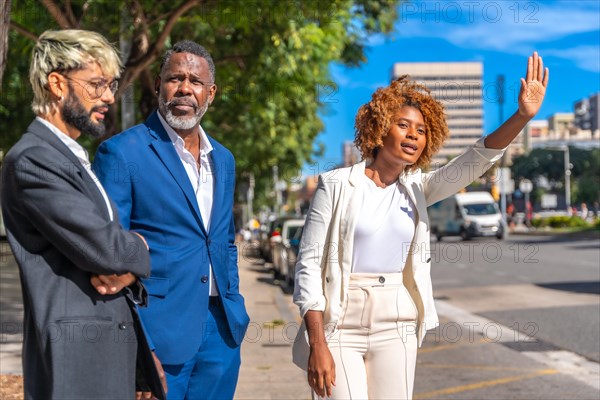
363,282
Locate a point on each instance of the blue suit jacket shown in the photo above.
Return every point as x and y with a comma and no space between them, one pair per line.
144,176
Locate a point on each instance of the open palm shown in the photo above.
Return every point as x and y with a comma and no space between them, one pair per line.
533,87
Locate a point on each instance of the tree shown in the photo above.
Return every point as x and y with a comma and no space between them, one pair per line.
272,61
5,18
585,174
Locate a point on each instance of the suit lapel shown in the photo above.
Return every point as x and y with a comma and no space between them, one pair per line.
165,150
352,201
218,172
45,134
354,198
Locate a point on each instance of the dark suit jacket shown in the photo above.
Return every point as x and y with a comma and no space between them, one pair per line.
143,174
77,343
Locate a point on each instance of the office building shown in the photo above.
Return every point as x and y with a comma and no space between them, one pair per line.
458,85
587,114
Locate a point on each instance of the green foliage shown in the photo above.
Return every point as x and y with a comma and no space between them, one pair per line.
272,60
585,174
539,162
587,189
560,221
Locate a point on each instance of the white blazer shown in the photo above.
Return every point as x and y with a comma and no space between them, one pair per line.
324,259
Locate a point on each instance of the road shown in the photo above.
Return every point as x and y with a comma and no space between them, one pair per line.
546,287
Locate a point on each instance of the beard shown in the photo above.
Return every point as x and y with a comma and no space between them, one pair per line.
181,122
75,114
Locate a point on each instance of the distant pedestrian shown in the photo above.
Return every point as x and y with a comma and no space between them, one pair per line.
363,281
254,227
510,215
584,211
528,213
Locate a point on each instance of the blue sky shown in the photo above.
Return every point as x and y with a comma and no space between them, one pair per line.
501,34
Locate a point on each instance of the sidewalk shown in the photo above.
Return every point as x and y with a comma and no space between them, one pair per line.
267,370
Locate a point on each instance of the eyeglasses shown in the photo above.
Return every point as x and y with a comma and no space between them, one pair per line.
95,89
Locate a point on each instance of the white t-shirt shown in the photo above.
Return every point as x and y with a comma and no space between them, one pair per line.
384,230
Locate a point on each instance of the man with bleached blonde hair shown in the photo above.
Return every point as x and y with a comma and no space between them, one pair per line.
79,268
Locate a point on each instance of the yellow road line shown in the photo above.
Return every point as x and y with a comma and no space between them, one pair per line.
479,367
439,348
450,346
484,384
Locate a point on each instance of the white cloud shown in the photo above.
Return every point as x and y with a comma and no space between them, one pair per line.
342,79
585,57
498,25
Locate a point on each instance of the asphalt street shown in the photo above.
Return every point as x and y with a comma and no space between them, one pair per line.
543,286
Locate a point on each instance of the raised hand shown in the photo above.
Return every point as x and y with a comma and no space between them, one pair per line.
533,87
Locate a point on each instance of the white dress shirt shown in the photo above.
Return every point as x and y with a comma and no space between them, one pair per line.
200,175
82,156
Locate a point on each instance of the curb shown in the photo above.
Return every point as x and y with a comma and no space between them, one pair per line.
588,234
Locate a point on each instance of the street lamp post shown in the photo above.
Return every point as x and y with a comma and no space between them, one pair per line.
565,148
278,186
526,187
250,195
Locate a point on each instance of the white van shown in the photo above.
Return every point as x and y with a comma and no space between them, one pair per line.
467,215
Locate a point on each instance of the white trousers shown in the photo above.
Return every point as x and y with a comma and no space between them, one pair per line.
374,345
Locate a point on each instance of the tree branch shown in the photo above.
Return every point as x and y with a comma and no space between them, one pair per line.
5,19
153,19
158,18
158,45
140,20
70,15
23,31
240,60
56,13
134,66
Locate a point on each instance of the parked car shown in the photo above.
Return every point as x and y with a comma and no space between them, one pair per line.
292,257
2,229
466,215
264,241
286,233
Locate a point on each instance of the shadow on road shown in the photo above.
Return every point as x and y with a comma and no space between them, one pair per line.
590,287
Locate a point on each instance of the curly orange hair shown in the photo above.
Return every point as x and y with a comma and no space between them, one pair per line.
374,119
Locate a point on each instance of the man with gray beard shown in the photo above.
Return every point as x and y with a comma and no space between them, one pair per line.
174,184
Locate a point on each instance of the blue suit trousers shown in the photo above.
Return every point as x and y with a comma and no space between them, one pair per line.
213,372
